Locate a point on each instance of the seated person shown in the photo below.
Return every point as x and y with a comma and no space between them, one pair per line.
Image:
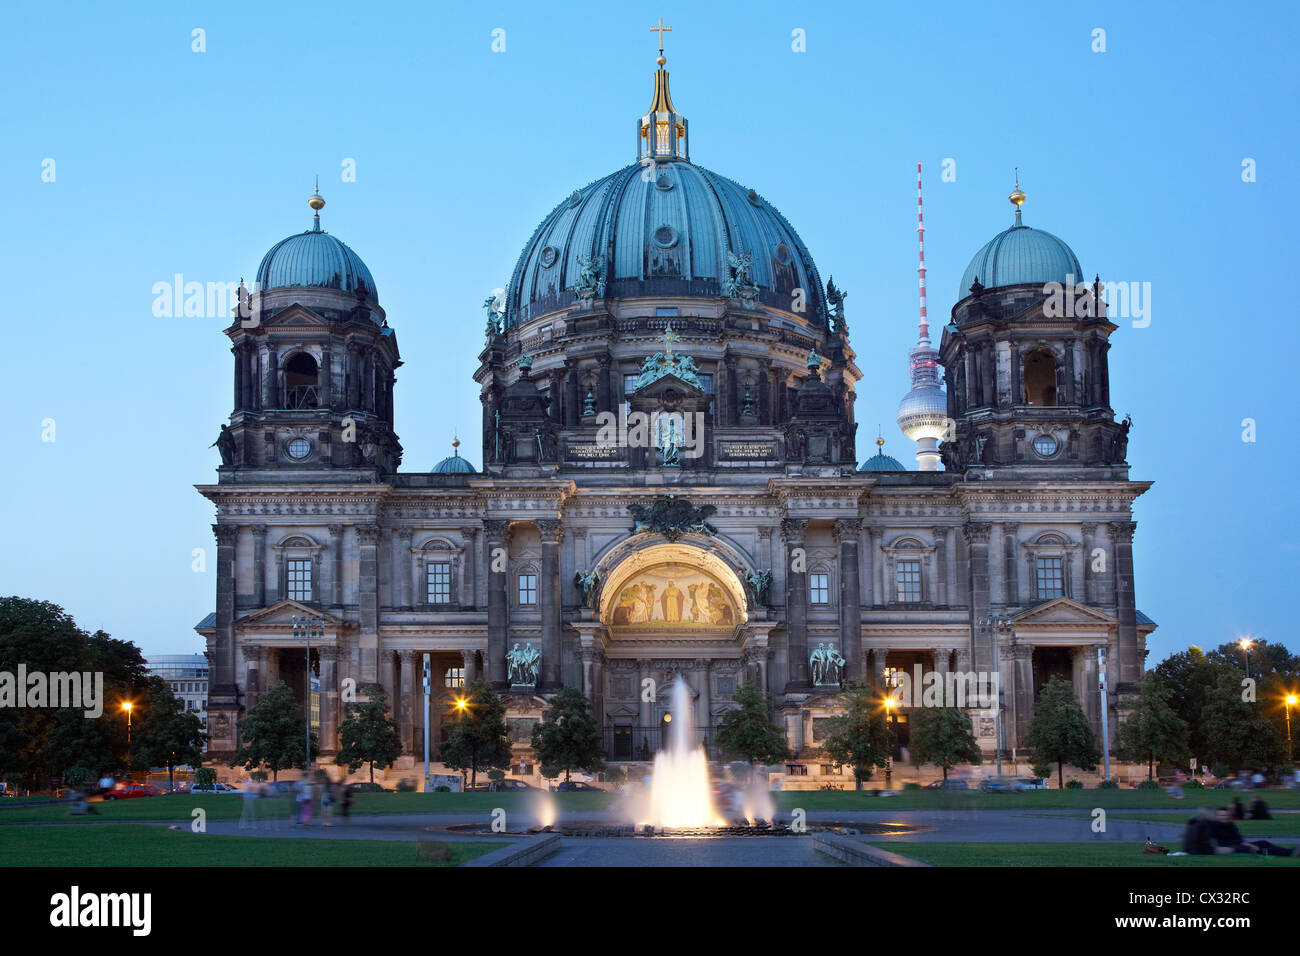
1238,809
1259,810
1196,835
1227,837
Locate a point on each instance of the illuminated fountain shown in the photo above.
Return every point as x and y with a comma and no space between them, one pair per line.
680,793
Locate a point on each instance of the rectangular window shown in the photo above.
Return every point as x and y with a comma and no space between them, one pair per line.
819,588
454,677
299,573
909,582
527,589
439,576
707,382
666,312
1051,578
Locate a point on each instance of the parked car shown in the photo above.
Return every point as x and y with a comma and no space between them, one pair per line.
1031,783
948,785
999,785
132,791
214,788
513,785
576,786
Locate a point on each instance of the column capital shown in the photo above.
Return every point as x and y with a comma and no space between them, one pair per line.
368,533
227,534
847,528
405,656
1010,527
405,534
976,533
469,532
1088,527
940,533
552,530
335,530
258,529
497,529
793,530
1122,531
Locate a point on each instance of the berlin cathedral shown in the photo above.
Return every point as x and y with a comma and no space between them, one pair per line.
670,484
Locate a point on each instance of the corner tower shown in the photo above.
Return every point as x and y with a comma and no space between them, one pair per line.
1026,367
314,368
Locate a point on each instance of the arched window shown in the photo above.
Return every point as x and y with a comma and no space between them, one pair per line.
300,388
1040,378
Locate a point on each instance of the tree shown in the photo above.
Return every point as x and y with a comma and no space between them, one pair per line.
1059,732
942,736
478,739
860,737
41,742
1153,731
567,738
747,731
368,735
272,733
167,737
1190,677
1237,732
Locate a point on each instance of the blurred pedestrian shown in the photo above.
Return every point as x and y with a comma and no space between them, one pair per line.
248,816
347,804
327,804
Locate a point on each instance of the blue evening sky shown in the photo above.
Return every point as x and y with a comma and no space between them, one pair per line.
169,161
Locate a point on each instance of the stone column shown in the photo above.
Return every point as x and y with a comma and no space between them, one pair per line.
587,657
329,698
368,601
402,561
732,397
796,602
270,373
846,533
645,715
336,564
941,655
880,597
1088,530
548,586
405,696
604,392
254,655
1021,692
1087,687
1074,574
878,655
572,401
703,677
470,663
259,564
468,597
1130,649
977,540
950,566
497,533
940,566
1010,531
997,566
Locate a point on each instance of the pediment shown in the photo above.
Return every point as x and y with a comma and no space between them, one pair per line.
666,383
1062,610
282,613
296,315
622,710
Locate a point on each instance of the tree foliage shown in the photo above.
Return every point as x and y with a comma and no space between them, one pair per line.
1153,731
478,736
567,737
165,736
942,736
272,733
1238,734
748,733
860,737
1059,732
368,735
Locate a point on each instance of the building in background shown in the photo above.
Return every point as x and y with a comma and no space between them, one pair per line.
188,676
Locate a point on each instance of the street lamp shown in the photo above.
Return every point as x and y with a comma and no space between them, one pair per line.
997,626
891,723
1290,702
1246,644
306,628
126,706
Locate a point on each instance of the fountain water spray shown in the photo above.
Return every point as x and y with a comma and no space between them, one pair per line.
680,793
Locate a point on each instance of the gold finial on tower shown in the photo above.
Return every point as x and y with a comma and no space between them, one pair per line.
315,200
455,445
1017,197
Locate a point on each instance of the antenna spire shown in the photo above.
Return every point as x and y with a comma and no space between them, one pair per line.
924,338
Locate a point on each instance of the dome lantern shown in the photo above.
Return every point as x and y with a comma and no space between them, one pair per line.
662,131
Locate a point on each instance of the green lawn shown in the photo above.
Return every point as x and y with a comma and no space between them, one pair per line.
1066,854
178,807
135,845
1289,824
1032,800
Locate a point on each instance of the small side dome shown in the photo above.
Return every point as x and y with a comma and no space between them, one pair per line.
880,461
1021,255
315,259
453,464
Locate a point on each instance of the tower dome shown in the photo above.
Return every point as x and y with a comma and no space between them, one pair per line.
1021,255
315,259
663,226
880,461
453,464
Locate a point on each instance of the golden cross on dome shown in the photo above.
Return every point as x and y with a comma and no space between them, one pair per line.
661,30
669,337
